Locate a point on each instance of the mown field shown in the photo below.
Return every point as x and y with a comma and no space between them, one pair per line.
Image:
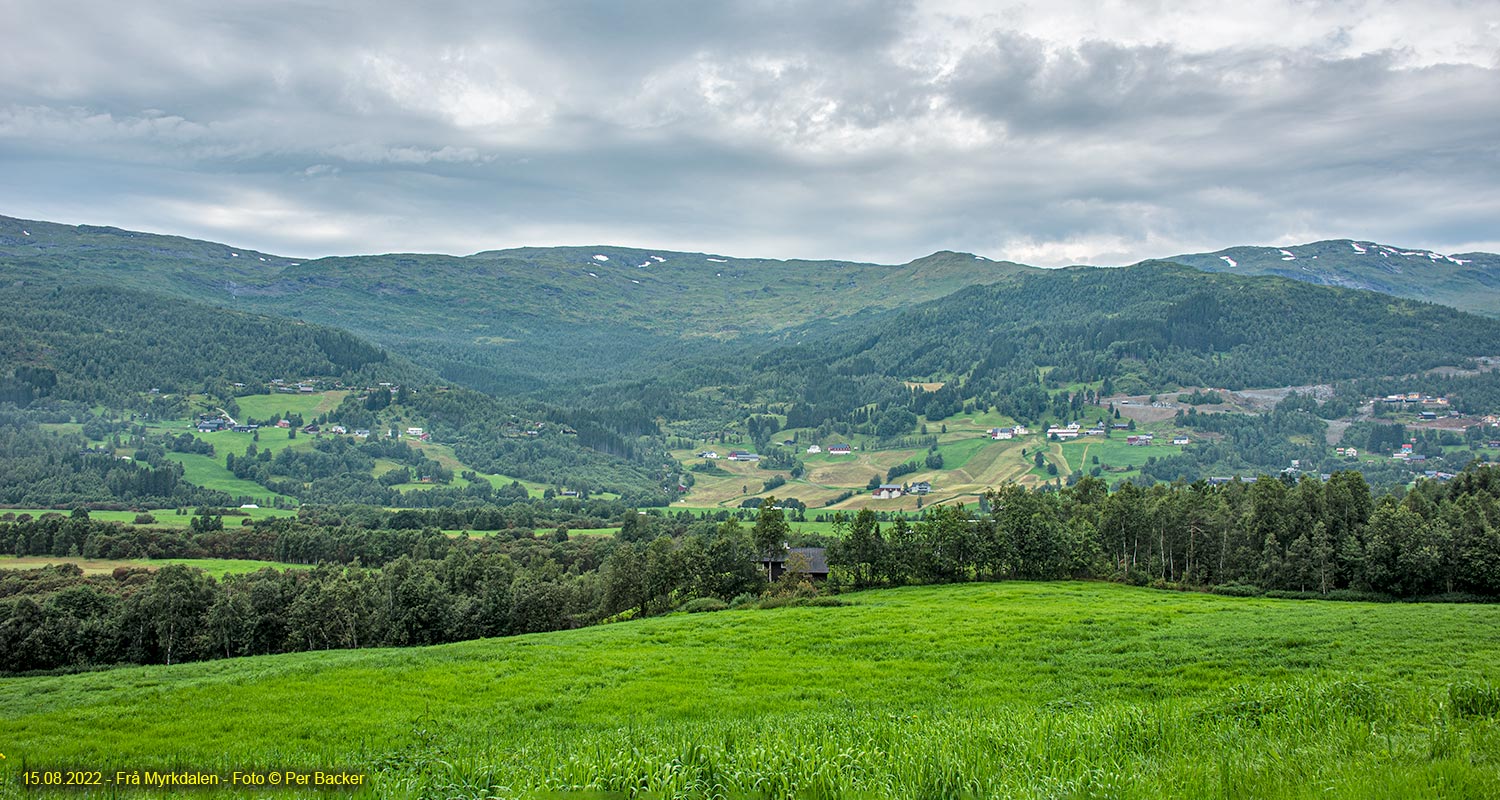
987,690
165,517
217,567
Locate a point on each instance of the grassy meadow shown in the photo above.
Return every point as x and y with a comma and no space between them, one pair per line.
217,567
982,690
165,517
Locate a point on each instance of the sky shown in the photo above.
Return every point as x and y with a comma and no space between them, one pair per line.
1043,132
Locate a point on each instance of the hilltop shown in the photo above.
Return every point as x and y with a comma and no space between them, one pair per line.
1466,281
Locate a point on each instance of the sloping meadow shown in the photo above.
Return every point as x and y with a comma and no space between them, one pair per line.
996,690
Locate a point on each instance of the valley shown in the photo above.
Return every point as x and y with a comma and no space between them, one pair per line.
230,485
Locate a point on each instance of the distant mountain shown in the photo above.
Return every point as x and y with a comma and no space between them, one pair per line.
513,320
1466,281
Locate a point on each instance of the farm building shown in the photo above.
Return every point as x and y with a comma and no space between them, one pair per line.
1180,440
814,449
920,487
1000,434
812,560
888,491
840,450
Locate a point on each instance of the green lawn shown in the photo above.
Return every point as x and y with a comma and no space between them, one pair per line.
1024,690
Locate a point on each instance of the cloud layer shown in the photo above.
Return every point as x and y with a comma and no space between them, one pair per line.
1042,132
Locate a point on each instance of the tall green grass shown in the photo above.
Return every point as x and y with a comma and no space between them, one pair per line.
1000,690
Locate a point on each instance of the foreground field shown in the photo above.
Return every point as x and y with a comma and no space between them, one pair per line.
1023,690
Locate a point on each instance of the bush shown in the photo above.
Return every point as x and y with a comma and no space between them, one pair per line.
826,602
743,600
144,519
700,605
1352,595
1238,590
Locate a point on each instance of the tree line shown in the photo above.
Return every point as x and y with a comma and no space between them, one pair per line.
392,585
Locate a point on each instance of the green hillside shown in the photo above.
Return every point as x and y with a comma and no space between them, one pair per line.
499,320
1467,281
1016,690
102,343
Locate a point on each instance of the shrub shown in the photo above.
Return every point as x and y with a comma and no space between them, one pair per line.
826,602
1353,595
699,605
1238,590
144,519
743,600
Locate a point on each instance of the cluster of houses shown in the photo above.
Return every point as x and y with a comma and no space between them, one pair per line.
1348,452
1001,434
1073,430
1412,398
208,424
282,387
891,491
834,450
745,455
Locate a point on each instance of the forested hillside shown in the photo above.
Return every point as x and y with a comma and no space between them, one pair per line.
1136,329
109,345
503,321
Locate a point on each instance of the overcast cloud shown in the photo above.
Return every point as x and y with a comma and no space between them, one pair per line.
1048,133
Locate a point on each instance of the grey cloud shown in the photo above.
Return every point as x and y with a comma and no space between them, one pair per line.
763,128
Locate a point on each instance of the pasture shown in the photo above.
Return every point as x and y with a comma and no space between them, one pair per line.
217,567
1025,690
164,517
266,406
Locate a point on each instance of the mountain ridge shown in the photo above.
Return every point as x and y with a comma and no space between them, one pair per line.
1466,281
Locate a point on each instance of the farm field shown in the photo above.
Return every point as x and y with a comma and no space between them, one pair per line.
265,406
972,464
217,567
979,690
210,473
165,517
